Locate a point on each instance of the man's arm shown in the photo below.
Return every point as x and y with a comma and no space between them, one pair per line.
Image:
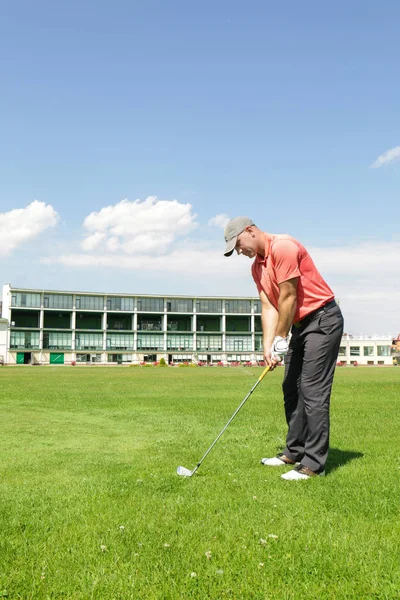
287,304
269,321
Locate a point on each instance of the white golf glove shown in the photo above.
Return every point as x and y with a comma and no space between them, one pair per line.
279,347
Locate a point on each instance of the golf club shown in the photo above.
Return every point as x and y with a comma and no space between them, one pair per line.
186,472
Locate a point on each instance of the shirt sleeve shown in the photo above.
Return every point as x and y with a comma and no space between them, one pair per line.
286,259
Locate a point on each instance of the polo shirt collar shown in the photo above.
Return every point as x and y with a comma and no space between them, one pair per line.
262,259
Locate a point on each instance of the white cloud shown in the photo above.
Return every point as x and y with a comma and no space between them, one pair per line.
138,227
358,260
93,241
21,225
364,276
186,259
387,157
219,221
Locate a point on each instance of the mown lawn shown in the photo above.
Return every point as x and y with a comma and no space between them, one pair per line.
91,506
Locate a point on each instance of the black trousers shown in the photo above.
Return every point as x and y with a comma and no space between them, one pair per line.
309,369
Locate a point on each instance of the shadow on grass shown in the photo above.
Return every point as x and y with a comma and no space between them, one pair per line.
338,458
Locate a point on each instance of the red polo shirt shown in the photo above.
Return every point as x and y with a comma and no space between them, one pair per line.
285,258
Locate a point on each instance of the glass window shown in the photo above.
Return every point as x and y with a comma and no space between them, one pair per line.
57,340
57,301
237,306
82,358
209,342
208,306
354,350
259,343
29,300
239,358
89,341
342,351
257,306
25,339
148,341
150,304
384,350
124,358
120,341
238,343
147,323
179,305
368,350
120,303
180,342
90,302
181,358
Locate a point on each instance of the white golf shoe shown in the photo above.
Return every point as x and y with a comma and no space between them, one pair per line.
300,472
277,461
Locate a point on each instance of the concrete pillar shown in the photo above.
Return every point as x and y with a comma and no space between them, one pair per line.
41,323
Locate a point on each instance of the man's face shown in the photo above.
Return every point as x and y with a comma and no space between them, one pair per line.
246,243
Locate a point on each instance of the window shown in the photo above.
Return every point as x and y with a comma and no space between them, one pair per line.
384,350
238,343
208,306
24,339
90,302
342,351
257,306
82,358
123,358
57,301
179,305
120,304
209,342
180,342
258,343
150,342
237,306
149,324
368,350
354,350
120,341
150,304
239,358
28,300
89,341
179,358
57,340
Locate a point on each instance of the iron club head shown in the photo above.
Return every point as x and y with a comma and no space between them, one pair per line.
184,472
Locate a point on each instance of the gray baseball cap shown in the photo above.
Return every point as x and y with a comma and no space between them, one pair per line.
233,228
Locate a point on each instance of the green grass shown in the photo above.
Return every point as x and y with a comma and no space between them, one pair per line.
91,506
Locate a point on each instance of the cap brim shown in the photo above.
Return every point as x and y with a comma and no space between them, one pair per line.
230,246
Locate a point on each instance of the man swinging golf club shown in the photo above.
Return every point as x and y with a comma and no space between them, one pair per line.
294,298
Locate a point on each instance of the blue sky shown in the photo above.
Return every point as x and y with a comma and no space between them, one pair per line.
273,110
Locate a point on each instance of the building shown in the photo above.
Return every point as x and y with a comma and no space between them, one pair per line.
366,350
3,340
64,327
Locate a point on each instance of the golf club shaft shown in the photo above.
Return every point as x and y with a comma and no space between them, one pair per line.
263,374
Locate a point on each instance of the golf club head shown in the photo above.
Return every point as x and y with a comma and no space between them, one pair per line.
184,472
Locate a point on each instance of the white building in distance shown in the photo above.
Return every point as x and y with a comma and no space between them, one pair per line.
67,327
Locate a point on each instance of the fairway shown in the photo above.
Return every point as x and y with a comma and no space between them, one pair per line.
91,506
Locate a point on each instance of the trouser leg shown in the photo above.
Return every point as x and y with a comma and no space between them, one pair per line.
294,406
321,345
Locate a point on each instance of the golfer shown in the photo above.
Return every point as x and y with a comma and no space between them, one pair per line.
294,299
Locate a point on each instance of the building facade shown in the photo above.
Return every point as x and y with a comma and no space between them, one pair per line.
64,327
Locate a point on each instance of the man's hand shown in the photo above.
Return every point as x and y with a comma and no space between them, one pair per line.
271,361
274,354
279,348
